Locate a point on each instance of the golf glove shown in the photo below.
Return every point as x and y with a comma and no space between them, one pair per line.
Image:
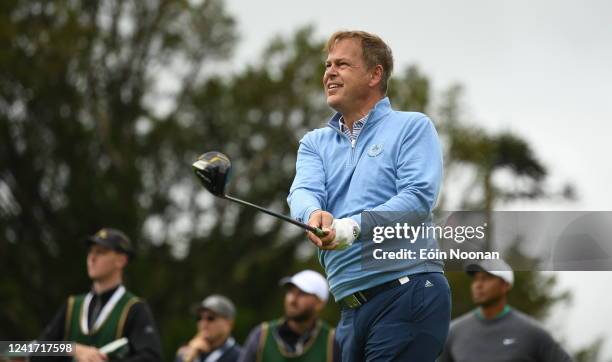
347,230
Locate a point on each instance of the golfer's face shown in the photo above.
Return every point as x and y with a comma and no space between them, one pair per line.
346,77
103,262
487,288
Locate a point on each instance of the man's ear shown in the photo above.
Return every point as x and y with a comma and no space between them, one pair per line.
320,305
123,260
376,76
508,287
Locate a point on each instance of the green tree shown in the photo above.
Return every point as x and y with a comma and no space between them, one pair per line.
81,141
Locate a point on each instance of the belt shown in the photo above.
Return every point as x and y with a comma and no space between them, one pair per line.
359,298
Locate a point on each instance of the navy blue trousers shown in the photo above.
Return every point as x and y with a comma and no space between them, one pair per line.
407,323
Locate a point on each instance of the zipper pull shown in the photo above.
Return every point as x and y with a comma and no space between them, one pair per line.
353,141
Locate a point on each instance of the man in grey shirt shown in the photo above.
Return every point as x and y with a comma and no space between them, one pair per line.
495,331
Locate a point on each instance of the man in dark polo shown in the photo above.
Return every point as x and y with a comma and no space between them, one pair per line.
108,312
495,331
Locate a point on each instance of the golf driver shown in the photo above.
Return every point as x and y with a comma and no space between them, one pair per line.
213,169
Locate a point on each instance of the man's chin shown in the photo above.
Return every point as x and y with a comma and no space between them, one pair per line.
98,277
484,303
333,103
479,301
302,317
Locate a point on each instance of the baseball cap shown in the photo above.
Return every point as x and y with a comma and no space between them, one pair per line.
220,305
112,239
497,267
309,281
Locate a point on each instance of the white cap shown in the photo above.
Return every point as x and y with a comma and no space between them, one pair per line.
309,281
497,267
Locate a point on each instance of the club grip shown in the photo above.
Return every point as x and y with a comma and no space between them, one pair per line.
320,233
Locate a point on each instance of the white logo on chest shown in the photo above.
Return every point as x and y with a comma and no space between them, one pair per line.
508,341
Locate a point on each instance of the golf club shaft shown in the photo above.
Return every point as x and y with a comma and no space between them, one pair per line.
314,230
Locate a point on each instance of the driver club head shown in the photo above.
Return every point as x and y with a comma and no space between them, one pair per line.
213,169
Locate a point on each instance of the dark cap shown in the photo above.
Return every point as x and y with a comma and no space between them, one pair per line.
112,239
220,305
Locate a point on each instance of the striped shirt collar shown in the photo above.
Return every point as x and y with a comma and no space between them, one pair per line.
357,127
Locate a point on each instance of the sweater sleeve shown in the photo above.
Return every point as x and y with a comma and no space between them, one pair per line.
307,192
54,331
142,334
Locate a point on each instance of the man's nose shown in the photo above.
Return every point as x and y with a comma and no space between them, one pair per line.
331,71
291,296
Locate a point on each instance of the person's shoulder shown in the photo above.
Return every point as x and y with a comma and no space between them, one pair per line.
233,354
257,330
134,299
524,318
73,299
411,118
131,294
70,301
77,295
458,326
137,307
254,339
528,323
463,321
408,123
318,134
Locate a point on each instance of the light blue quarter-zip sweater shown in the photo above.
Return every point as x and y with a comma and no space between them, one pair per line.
394,165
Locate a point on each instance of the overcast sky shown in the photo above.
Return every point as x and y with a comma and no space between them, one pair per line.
539,68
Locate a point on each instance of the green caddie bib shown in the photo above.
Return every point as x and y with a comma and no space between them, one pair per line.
318,349
109,325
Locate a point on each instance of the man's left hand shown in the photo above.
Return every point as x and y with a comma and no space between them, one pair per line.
322,220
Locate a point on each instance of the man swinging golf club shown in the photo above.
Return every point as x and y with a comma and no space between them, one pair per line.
372,158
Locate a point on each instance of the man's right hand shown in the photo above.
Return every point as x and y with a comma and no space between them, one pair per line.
194,348
83,353
322,220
